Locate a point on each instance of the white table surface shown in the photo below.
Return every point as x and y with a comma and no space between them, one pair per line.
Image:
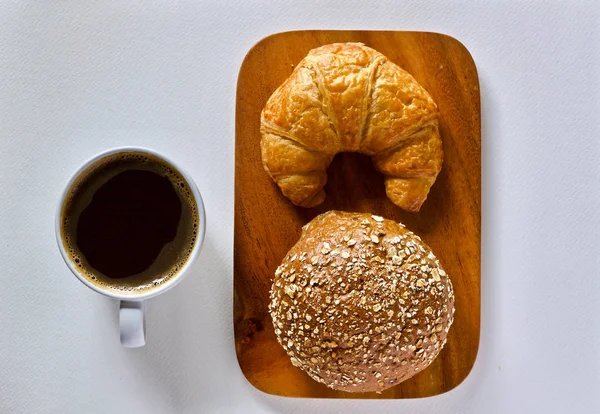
78,77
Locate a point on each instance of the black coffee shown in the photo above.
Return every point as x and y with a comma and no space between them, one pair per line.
129,222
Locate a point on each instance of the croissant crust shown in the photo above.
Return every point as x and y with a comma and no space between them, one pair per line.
347,97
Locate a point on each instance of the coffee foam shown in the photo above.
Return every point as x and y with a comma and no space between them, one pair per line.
79,196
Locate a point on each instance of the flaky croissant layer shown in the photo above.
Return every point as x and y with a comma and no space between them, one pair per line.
347,97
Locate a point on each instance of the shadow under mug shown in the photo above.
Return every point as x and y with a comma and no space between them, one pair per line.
132,322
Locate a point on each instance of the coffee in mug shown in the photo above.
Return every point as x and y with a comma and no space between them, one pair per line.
129,222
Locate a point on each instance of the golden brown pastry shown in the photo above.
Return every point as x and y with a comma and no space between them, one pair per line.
360,303
347,97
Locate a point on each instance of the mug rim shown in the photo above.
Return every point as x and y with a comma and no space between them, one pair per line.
146,294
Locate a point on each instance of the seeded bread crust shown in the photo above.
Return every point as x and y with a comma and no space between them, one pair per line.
360,303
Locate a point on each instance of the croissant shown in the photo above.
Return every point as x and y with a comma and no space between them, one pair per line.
347,97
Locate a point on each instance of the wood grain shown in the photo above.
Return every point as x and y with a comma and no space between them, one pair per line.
267,225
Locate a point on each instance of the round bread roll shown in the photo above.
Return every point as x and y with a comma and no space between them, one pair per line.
360,303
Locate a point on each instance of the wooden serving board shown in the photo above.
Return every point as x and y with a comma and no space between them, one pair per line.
267,225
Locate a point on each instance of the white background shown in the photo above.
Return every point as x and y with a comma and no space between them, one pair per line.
78,77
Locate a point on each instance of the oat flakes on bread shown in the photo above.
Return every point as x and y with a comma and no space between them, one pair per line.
360,303
347,97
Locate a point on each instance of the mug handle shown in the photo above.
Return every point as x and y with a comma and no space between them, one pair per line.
132,324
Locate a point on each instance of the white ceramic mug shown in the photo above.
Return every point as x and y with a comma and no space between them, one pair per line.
132,324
